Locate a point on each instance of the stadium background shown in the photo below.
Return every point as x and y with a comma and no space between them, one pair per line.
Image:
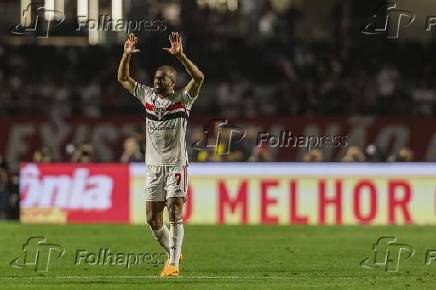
72,140
303,67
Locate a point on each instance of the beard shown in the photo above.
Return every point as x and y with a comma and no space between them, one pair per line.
159,90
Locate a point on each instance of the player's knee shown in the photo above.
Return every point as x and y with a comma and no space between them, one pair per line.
154,222
174,212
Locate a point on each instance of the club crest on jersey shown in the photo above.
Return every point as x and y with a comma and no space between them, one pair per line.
159,111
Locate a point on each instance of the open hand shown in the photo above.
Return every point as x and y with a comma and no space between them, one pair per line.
176,44
130,44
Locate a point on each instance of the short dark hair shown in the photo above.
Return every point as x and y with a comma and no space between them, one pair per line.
169,70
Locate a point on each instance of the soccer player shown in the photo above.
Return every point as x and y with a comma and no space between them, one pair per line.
166,156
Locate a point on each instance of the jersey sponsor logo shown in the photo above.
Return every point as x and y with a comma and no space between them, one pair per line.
152,127
80,190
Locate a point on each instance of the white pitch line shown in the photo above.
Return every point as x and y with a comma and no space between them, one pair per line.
180,277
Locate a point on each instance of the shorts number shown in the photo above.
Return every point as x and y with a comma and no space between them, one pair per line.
178,177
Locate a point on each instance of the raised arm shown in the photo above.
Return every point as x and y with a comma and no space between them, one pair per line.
123,69
197,77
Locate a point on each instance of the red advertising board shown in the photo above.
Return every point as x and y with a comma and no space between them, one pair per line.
74,193
240,193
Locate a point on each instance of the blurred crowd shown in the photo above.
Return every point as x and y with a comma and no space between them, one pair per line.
302,81
9,192
254,64
226,150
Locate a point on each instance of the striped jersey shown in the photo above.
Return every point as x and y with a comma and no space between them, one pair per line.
165,125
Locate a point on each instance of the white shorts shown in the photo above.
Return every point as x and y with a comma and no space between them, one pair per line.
163,182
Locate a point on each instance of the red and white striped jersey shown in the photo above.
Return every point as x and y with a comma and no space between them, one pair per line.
166,120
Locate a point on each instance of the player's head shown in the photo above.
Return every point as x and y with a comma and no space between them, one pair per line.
165,79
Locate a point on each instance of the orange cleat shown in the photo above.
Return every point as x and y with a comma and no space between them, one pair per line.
169,270
167,263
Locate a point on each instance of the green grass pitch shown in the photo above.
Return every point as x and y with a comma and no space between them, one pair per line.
222,257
